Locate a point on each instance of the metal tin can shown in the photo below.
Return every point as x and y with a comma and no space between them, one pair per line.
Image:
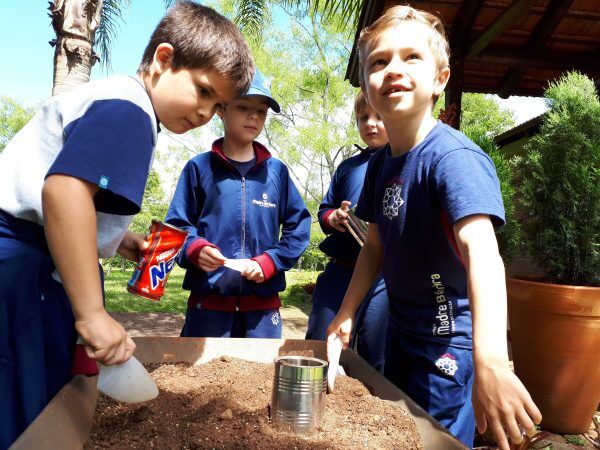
298,396
150,276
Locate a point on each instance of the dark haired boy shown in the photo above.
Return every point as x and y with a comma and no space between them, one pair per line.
70,183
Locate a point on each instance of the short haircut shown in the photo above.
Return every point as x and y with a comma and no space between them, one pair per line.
202,39
360,103
438,43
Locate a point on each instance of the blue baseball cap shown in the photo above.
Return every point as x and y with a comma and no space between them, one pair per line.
261,86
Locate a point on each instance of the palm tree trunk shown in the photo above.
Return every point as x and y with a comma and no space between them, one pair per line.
75,23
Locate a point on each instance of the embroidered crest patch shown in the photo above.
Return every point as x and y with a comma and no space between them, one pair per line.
275,318
447,364
392,201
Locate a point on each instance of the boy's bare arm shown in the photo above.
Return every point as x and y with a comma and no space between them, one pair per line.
367,267
70,227
500,400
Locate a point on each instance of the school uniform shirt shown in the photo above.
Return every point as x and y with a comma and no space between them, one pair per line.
415,199
346,184
103,132
260,215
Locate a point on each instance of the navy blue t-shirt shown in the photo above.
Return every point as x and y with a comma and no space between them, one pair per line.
243,166
415,199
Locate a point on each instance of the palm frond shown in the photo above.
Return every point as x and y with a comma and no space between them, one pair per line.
344,12
113,12
251,17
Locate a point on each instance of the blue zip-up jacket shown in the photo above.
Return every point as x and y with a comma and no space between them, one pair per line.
346,184
244,216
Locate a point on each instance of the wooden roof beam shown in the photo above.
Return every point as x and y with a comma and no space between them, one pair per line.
540,60
516,10
540,35
371,11
460,31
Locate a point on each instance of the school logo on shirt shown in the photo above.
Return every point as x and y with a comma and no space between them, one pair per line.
265,203
447,364
392,201
275,318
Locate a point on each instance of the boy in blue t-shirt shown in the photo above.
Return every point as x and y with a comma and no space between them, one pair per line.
235,202
70,183
342,249
432,200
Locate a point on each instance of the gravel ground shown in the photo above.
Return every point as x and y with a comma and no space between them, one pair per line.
295,321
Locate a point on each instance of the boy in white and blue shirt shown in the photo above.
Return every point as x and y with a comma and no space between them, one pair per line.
71,181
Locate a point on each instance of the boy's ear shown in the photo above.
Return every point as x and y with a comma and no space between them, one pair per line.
364,90
221,110
441,81
163,56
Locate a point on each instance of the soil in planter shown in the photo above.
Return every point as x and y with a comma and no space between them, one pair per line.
224,405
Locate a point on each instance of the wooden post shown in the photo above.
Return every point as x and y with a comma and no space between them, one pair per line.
454,88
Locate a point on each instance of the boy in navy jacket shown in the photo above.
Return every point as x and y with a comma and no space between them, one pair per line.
342,249
235,202
432,200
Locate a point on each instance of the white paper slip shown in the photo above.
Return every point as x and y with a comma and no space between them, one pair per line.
237,264
334,348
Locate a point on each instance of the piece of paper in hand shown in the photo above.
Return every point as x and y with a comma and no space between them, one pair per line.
237,264
334,348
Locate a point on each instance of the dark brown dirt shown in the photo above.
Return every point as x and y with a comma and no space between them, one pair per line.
224,405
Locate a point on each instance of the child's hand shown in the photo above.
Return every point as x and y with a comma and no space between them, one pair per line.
253,272
210,259
132,245
501,402
107,341
339,217
342,326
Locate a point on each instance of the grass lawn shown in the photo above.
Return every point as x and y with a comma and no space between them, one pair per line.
175,298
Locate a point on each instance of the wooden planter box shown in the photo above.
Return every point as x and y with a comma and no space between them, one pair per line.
66,422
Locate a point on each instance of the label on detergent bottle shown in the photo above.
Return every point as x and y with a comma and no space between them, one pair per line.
150,276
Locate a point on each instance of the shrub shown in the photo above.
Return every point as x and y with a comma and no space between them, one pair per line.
560,184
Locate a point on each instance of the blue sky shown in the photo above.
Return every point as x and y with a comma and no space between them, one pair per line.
26,73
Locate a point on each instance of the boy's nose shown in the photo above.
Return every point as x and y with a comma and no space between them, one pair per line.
205,113
395,67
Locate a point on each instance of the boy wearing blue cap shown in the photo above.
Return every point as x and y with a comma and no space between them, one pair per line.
246,222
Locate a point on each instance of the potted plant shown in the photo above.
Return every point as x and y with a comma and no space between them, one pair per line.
555,320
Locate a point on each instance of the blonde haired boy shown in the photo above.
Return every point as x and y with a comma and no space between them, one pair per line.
432,200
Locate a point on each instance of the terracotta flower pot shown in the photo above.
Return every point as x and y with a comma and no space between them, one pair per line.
555,337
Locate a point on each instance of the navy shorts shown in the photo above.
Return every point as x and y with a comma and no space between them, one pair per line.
437,377
249,324
371,316
37,335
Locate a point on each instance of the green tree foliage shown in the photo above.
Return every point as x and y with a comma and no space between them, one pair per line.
13,116
482,119
154,205
315,131
560,183
252,15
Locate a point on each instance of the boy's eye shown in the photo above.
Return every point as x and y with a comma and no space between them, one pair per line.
413,56
203,91
378,62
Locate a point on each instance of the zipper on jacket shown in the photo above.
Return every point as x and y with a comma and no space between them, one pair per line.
243,217
237,306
